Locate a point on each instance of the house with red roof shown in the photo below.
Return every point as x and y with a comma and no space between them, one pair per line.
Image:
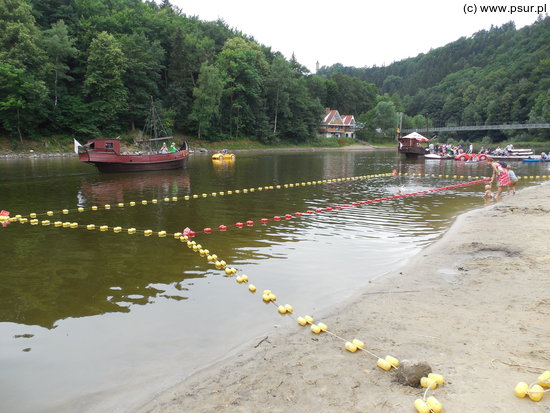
335,125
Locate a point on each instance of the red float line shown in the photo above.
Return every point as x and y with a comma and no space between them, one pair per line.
251,223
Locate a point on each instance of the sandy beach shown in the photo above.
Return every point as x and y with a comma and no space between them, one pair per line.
475,306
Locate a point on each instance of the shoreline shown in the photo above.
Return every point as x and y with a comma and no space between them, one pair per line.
358,147
473,305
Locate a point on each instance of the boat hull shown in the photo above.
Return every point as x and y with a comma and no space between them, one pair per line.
110,162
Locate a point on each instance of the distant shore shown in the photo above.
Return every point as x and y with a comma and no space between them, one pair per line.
474,305
362,147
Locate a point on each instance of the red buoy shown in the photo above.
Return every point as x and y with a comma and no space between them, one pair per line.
249,223
264,220
222,227
277,218
208,230
239,224
288,216
298,214
328,209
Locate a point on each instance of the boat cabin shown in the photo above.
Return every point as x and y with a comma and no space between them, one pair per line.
105,145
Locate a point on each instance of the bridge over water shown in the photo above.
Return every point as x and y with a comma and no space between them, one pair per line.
503,126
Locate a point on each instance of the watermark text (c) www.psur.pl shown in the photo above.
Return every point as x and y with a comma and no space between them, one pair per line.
473,8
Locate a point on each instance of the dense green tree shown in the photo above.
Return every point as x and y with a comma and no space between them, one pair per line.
108,97
207,94
144,65
244,67
59,48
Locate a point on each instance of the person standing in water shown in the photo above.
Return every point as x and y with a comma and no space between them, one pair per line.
500,173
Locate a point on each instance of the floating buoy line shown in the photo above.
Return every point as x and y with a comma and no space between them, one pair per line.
154,201
534,391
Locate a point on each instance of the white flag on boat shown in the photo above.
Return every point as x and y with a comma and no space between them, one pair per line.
76,145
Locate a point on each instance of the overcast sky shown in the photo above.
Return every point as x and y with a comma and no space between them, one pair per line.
356,32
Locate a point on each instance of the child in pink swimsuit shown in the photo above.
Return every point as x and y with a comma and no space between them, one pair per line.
501,174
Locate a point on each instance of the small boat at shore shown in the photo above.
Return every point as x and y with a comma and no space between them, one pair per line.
535,160
513,155
438,157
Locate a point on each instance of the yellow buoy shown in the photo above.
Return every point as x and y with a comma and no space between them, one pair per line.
120,204
65,211
289,308
281,309
74,224
244,278
383,364
252,288
309,319
162,233
358,343
154,201
349,346
421,406
144,202
166,199
315,328
239,279
272,297
437,377
174,198
228,271
434,404
301,320
521,389
322,326
132,203
536,392
544,379
265,298
46,222
66,224
392,360
94,208
107,206
117,229
50,213
103,228
429,383
90,226
148,232
57,223
131,230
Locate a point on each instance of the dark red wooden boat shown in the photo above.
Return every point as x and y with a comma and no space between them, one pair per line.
105,154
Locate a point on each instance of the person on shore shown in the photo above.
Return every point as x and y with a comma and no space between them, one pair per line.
513,180
500,173
488,195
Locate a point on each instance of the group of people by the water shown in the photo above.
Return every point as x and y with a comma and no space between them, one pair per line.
164,149
506,179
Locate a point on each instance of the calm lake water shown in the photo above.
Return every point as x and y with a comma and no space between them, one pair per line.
94,321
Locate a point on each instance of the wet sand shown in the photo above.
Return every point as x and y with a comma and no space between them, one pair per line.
475,306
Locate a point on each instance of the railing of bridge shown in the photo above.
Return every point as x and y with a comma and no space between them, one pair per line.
502,126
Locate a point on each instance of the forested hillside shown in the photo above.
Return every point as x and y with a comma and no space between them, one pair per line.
89,67
494,76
